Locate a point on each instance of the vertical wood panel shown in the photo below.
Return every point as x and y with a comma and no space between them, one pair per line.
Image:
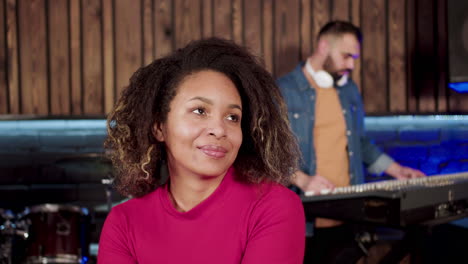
410,54
93,103
425,69
396,55
108,53
75,58
128,41
286,36
187,26
356,20
321,15
340,10
3,63
59,57
442,55
164,30
306,29
237,21
268,29
148,48
374,56
222,19
12,57
252,29
458,102
207,18
33,59
80,54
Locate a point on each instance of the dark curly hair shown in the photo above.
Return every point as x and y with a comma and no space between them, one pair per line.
268,151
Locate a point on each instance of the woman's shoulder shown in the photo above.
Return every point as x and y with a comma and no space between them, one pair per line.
275,202
269,193
279,193
137,204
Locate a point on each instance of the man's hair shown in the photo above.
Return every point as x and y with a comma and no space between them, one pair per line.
268,151
339,28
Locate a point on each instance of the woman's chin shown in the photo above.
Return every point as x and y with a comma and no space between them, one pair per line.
213,172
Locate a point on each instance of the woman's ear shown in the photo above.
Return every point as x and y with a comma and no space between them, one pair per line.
158,132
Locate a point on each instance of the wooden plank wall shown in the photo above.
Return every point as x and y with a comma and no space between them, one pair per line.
73,57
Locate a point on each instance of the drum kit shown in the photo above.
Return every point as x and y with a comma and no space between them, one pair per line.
46,233
50,232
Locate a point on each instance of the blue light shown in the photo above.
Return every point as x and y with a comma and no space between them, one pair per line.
460,87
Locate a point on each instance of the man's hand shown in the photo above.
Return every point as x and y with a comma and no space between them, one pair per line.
318,185
312,184
401,172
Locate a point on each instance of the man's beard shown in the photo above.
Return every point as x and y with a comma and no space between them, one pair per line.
329,67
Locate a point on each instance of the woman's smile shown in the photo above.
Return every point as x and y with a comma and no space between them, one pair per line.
212,151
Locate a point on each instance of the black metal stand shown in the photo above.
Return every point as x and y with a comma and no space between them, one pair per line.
412,243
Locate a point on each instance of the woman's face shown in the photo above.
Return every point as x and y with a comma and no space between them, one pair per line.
203,131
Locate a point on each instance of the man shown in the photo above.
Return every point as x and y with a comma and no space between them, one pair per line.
327,115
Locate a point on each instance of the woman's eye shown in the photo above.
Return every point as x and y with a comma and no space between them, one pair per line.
234,118
199,111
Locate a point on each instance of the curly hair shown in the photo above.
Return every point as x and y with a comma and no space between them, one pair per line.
268,151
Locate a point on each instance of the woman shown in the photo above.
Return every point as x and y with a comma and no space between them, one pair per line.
214,116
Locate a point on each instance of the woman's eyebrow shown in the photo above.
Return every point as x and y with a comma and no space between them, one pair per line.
203,99
210,102
235,106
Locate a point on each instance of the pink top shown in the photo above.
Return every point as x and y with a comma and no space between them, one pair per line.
238,223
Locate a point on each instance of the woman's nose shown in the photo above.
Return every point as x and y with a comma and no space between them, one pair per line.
217,128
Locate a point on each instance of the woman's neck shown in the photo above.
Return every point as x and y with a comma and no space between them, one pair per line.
187,191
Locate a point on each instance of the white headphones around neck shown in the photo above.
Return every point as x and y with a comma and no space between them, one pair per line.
323,78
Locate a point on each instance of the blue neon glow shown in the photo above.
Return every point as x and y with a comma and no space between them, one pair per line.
460,87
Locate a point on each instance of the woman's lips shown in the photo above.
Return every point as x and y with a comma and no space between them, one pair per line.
213,151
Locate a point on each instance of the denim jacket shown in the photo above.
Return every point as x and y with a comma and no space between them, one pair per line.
300,99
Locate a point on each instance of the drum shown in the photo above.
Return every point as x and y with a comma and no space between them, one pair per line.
6,232
13,234
57,234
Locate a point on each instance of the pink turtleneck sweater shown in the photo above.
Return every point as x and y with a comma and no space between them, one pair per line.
237,223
